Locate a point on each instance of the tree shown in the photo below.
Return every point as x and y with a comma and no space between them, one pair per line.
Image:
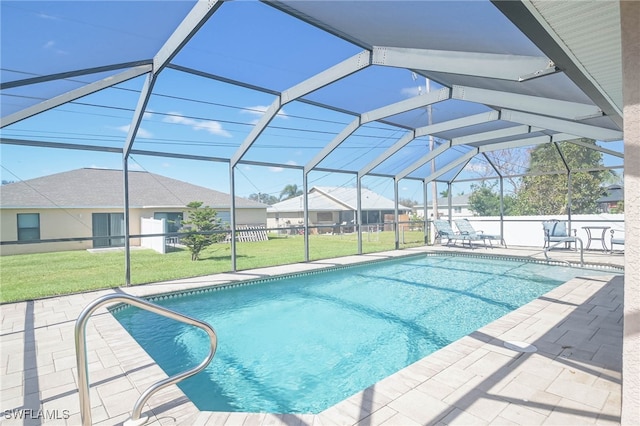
407,202
546,194
200,227
264,198
290,191
483,201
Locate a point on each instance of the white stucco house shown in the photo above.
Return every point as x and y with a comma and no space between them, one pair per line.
459,207
332,206
85,206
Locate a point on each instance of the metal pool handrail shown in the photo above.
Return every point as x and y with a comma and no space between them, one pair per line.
81,353
568,239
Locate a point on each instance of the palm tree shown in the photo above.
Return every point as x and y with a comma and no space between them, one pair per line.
290,191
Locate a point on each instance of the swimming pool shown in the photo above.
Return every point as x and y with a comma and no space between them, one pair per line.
301,344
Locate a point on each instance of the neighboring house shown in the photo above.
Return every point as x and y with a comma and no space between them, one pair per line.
611,201
330,206
89,203
459,207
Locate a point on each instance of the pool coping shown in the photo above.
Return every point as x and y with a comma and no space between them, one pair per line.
120,370
253,281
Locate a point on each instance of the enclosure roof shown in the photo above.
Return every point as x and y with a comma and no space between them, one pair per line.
91,188
341,84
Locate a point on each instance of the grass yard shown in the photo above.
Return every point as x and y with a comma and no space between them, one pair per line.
33,276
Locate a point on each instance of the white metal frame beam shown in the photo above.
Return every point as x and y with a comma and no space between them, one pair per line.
189,26
524,16
533,104
491,65
70,74
458,123
464,159
558,125
597,148
516,143
74,94
377,114
324,78
478,138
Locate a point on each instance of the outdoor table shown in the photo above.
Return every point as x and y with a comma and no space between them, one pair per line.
588,229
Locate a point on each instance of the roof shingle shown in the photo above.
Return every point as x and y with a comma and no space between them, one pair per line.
87,188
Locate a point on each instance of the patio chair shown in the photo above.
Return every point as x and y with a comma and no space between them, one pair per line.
465,228
616,240
444,230
556,231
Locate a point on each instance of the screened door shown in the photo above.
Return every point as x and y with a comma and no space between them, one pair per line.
107,225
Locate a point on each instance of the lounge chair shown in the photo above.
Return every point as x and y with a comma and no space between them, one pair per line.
556,231
465,228
444,230
616,240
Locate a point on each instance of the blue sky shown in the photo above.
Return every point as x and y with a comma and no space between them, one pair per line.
192,115
214,125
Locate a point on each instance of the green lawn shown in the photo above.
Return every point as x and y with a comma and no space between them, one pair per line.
32,276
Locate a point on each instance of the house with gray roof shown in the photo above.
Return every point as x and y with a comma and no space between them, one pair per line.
85,206
611,200
332,206
460,207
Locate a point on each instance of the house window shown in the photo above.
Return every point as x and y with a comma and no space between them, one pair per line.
28,226
225,218
108,225
457,209
325,217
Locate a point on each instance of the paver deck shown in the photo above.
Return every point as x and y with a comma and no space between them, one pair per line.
574,377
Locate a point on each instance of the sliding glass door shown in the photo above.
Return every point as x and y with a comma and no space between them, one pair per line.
108,225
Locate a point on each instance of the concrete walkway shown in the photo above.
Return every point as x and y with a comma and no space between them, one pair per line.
574,377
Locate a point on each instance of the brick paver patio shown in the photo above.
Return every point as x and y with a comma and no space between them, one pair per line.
574,377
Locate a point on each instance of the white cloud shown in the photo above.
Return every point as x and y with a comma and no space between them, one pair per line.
213,127
45,16
292,163
259,111
411,91
148,115
50,46
141,132
276,169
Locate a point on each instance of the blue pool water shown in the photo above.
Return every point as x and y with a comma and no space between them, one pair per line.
302,344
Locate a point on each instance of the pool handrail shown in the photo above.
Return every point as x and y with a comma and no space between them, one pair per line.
81,353
564,240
